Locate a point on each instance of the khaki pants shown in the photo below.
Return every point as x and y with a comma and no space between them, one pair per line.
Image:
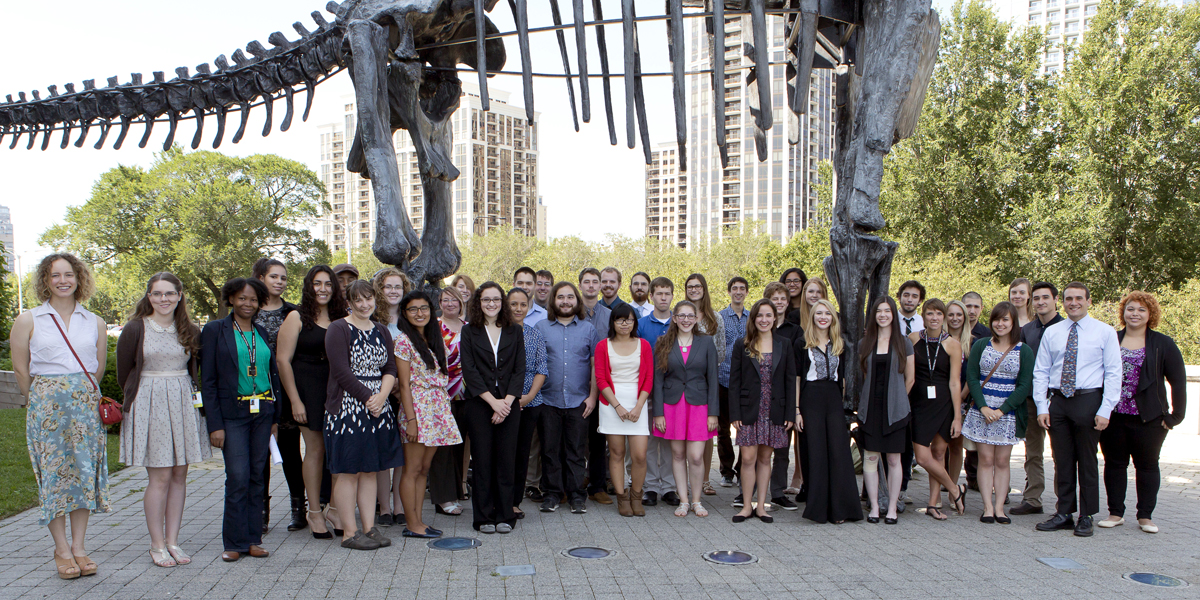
1035,448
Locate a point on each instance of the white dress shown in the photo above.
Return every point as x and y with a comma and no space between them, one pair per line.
625,388
164,428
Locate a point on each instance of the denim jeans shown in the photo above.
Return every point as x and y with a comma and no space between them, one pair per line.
246,452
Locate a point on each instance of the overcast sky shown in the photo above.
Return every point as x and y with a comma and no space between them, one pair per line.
591,188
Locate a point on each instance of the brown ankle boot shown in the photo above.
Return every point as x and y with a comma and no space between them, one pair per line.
623,506
635,502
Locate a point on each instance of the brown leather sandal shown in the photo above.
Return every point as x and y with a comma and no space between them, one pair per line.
67,569
87,566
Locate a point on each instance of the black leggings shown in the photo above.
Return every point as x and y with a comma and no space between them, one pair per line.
1125,438
293,461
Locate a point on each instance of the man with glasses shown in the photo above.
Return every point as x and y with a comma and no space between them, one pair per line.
543,281
639,294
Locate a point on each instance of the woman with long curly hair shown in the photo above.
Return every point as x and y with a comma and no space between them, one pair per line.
304,376
58,354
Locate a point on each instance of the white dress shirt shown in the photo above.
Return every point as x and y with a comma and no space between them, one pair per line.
1097,365
918,323
643,309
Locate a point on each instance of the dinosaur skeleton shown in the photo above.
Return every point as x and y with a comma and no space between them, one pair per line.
404,57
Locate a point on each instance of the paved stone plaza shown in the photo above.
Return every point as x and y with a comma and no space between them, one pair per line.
659,556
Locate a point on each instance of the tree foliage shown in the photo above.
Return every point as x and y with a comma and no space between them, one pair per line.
202,215
1130,111
980,157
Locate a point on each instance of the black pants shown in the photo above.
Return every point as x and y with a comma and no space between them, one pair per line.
493,461
445,472
1073,439
293,462
531,416
564,436
906,460
1128,437
597,461
725,455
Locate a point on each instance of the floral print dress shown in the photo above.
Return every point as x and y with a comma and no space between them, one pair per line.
431,402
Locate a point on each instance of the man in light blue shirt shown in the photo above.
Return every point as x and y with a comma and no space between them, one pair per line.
1076,386
524,278
734,317
569,397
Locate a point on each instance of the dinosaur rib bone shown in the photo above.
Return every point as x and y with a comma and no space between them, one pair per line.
260,78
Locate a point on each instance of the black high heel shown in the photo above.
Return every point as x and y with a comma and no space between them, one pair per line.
317,535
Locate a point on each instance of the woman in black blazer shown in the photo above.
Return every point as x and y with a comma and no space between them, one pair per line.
762,426
239,384
1143,416
493,361
686,401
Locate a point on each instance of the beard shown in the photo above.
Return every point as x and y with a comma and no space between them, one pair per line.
638,297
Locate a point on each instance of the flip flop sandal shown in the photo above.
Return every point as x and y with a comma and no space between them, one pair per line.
454,510
935,513
161,558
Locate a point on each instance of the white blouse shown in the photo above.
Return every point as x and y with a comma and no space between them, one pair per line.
48,353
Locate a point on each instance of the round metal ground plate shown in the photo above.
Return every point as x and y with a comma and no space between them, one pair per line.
1156,580
454,544
730,557
589,553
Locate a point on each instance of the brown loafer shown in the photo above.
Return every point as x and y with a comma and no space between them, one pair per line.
258,552
230,556
601,497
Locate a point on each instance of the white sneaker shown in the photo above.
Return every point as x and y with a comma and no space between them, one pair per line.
1108,522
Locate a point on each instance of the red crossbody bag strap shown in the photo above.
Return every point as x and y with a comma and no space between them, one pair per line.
73,353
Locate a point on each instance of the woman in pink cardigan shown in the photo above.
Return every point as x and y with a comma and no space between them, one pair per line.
624,376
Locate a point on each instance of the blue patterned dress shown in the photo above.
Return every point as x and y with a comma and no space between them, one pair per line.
996,392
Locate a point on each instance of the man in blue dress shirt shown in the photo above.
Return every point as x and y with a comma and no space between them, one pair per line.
569,396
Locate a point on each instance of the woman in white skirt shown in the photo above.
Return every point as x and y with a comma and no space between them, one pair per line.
625,376
162,430
1000,377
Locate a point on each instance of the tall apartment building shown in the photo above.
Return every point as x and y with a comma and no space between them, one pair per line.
1063,20
495,151
779,194
6,238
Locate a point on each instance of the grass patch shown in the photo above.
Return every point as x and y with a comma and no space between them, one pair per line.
18,488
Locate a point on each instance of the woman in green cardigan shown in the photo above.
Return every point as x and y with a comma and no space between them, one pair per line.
1000,377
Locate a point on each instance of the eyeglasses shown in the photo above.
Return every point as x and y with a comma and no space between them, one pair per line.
624,322
792,281
695,286
685,317
416,310
161,295
490,300
393,288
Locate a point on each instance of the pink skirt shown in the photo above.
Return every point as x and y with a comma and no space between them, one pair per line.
686,422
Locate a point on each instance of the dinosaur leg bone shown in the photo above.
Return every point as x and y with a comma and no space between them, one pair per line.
395,241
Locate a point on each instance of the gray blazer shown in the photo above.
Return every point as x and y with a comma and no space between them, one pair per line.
897,400
698,377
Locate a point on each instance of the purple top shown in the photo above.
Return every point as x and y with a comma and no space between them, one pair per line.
1131,361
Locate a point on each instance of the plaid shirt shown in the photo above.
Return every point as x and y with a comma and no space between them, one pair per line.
735,329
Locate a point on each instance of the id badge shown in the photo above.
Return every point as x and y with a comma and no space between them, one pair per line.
252,371
197,401
254,406
931,392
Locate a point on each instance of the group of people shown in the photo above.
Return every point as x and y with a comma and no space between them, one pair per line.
564,392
